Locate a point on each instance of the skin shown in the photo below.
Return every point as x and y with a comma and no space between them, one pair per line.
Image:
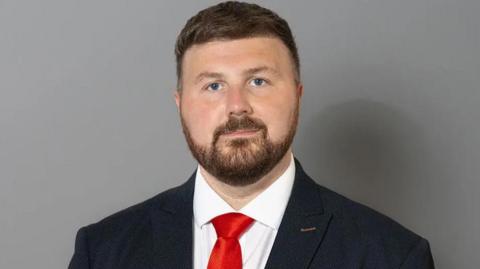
250,76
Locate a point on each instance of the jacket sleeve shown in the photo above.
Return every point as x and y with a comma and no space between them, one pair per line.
80,259
420,257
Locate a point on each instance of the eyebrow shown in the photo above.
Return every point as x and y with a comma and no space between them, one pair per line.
259,69
205,75
248,72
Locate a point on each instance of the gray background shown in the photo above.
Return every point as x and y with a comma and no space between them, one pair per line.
390,115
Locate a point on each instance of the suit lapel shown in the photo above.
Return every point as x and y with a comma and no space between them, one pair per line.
300,233
303,225
172,228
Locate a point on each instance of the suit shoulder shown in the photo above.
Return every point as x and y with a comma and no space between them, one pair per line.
127,232
376,231
134,217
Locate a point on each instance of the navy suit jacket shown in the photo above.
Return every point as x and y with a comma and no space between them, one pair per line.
320,229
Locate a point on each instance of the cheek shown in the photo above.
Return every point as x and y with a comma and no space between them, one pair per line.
279,120
201,121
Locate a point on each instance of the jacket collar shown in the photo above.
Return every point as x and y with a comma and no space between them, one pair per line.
301,231
172,216
303,225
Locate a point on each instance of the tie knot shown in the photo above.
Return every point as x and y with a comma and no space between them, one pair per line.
231,225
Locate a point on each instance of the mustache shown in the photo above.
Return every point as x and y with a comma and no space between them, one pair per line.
239,123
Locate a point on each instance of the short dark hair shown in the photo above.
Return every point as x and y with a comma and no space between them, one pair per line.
234,20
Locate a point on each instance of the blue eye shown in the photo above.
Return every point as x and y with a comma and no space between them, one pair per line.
215,86
258,82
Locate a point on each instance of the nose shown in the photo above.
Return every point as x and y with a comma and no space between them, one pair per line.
237,102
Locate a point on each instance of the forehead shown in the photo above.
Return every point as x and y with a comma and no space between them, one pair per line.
236,55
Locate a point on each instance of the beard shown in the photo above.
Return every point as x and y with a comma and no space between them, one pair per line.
241,161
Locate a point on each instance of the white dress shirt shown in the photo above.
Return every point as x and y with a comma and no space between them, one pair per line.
266,209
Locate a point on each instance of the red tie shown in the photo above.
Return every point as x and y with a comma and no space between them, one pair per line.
226,253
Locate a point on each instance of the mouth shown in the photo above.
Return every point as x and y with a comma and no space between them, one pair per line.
242,133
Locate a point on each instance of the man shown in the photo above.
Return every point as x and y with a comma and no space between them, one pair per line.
249,204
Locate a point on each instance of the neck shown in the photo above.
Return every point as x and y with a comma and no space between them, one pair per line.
238,196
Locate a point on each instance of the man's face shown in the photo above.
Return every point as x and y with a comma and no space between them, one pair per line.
239,106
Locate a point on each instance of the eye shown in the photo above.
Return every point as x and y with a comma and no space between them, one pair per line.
257,82
215,86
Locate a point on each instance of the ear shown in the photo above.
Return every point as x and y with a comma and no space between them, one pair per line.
178,96
178,99
300,90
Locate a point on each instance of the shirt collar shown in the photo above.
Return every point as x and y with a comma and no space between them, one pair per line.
268,207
